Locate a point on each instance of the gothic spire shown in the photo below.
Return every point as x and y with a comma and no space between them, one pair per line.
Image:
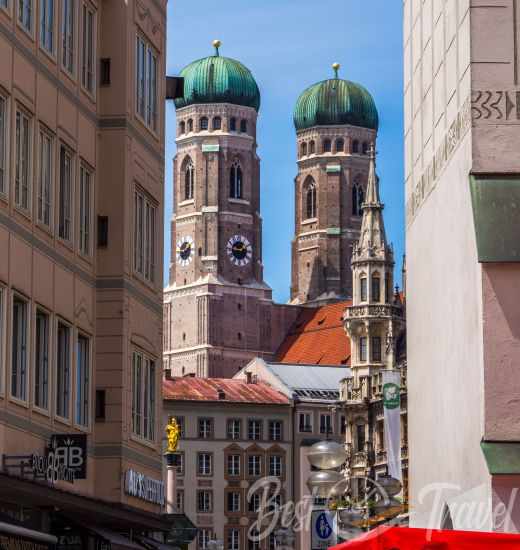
372,242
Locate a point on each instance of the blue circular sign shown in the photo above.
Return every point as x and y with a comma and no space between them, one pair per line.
322,526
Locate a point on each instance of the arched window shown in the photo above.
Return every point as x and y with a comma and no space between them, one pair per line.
217,123
376,287
355,206
355,146
182,127
235,181
303,149
365,148
190,125
189,179
204,123
243,125
232,124
309,190
363,288
340,145
361,200
327,146
312,148
358,197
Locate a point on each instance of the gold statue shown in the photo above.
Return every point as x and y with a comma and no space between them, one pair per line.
173,434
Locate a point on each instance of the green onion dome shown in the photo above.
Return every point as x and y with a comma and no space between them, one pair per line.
217,79
335,102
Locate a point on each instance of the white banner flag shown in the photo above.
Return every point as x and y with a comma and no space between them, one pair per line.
392,409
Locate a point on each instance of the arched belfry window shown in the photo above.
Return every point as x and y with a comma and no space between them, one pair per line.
189,179
190,125
355,146
309,190
365,148
303,149
217,123
340,146
235,181
182,127
233,124
327,146
243,125
358,197
204,123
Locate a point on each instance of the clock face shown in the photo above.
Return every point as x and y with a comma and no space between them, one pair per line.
185,250
239,250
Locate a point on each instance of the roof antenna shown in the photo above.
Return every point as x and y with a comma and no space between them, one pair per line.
336,67
216,45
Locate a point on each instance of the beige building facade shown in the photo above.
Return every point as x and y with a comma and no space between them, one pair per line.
461,135
81,187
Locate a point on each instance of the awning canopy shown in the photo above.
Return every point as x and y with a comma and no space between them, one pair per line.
405,538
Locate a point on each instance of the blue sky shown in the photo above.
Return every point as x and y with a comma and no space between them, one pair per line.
288,45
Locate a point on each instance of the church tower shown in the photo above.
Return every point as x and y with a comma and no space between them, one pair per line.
218,310
336,125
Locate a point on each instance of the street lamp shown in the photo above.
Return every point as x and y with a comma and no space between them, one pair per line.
326,481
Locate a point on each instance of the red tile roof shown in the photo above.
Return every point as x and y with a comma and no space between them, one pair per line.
317,338
207,389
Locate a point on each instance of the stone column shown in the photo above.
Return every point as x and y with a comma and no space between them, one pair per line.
171,482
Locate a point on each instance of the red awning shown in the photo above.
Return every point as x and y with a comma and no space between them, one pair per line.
405,538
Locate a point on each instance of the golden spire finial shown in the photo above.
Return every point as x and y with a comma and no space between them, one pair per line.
216,45
336,67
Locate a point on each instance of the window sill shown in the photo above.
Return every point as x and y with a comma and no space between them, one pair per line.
44,228
28,32
20,402
24,212
309,221
50,55
238,201
67,243
187,202
145,442
62,420
42,412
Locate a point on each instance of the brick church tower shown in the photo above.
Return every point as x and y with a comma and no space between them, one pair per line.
218,312
336,125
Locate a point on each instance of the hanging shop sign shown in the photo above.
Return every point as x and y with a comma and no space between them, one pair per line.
65,459
144,487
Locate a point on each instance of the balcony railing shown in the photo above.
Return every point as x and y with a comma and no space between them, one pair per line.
381,310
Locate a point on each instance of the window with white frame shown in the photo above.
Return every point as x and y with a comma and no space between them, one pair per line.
204,501
254,429
203,537
254,502
205,428
146,83
45,179
275,465
233,501
85,209
82,380
325,423
143,396
233,539
275,430
23,161
3,145
88,50
144,236
254,465
25,14
19,349
179,501
65,194
41,370
67,35
204,464
63,370
233,465
47,25
234,428
304,422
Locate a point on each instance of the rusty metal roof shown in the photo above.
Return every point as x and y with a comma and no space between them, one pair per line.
223,390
